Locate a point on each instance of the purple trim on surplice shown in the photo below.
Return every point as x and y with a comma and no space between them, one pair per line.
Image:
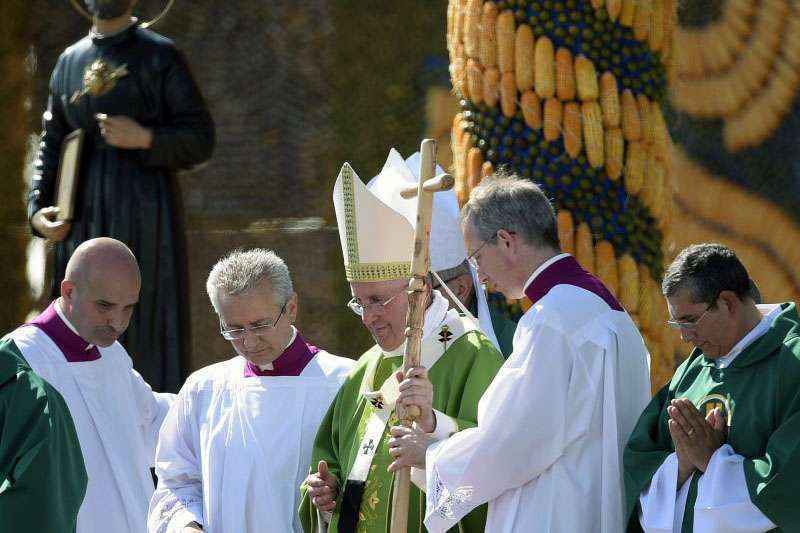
567,271
70,343
290,363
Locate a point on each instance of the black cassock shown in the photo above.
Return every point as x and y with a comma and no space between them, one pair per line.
131,195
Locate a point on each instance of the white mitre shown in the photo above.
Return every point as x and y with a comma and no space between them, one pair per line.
377,242
447,249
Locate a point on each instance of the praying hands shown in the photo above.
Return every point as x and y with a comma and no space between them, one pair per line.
696,437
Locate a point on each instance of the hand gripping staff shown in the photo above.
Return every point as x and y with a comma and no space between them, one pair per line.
420,264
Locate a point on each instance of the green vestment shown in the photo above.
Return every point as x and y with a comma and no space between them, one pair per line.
464,367
504,329
42,475
760,393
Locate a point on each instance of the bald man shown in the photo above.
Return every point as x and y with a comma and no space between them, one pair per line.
73,345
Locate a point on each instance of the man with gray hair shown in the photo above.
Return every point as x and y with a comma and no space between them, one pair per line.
547,451
236,444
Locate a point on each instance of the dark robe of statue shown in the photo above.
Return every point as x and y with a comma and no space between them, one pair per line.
131,195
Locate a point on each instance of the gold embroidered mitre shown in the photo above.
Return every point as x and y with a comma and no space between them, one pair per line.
377,241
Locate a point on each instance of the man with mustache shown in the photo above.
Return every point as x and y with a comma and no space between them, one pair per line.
73,345
717,449
349,487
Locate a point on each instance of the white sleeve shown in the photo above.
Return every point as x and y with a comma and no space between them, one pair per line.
662,503
178,499
153,407
540,400
445,426
723,501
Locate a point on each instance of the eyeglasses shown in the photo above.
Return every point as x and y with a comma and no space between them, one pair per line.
471,259
690,325
377,307
240,333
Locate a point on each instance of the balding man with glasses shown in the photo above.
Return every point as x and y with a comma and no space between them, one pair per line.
718,448
236,445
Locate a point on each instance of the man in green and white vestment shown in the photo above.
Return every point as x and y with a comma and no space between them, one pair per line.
349,488
42,474
718,448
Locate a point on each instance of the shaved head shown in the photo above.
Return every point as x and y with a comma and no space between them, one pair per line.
100,289
103,256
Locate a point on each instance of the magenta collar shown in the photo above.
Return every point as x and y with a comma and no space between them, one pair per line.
290,363
74,347
567,271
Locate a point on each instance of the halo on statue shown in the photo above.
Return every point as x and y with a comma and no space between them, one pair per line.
82,10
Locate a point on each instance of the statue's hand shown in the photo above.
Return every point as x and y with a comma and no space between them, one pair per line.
120,131
44,221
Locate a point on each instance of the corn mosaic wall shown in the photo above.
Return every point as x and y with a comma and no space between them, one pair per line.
569,93
734,117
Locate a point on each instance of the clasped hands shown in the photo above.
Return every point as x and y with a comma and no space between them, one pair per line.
407,446
696,437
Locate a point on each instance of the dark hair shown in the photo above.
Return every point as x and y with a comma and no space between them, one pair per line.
705,270
505,201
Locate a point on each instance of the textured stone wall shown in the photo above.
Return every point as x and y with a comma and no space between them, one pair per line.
295,88
14,88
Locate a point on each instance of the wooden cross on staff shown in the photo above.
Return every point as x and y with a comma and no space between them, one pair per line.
420,264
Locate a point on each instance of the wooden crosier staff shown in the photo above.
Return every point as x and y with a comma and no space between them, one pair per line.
420,265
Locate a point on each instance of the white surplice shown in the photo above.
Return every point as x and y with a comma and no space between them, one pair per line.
117,417
234,450
547,451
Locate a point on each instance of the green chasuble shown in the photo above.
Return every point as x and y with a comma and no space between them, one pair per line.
760,393
504,329
42,475
464,364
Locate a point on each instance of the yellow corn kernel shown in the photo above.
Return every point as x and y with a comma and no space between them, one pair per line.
523,58
572,129
552,119
609,100
505,41
566,232
488,42
614,153
545,68
474,81
565,75
584,250
586,78
628,284
472,28
531,109
491,86
593,133
634,167
631,123
508,94
606,265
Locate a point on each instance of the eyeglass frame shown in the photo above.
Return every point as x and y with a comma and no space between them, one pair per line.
473,262
258,331
354,305
691,325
